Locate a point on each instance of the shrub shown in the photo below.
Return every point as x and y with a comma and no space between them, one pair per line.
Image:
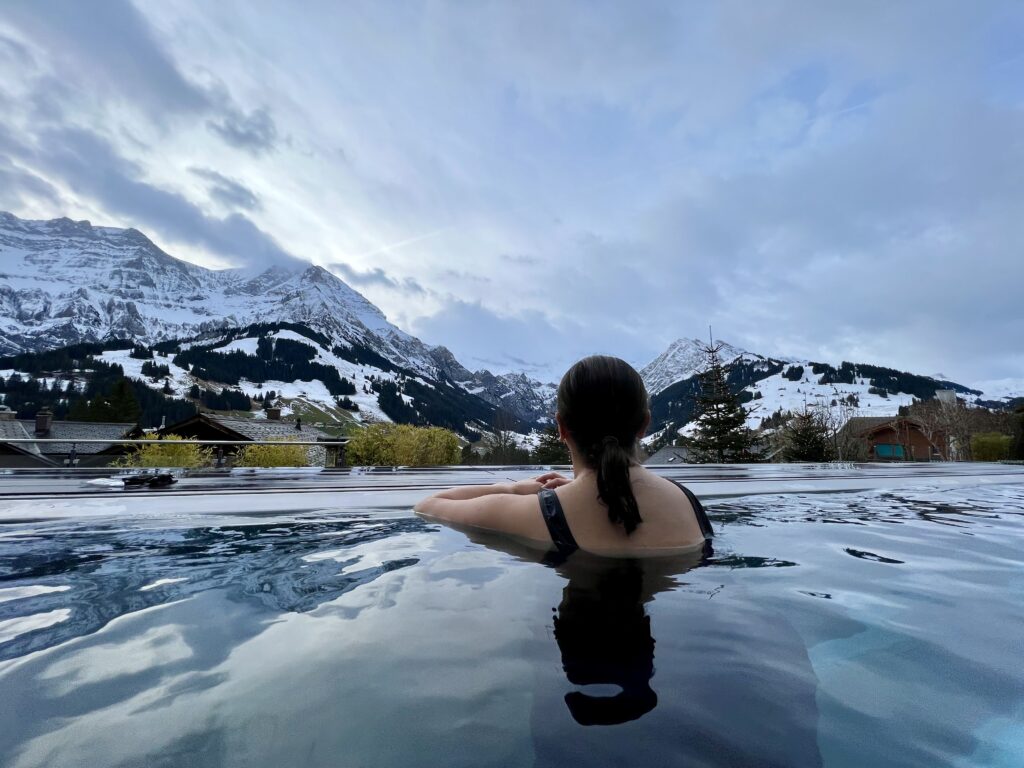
169,452
272,456
990,446
402,445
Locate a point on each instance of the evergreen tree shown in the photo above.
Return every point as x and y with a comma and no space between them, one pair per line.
1017,452
550,449
721,433
469,456
805,438
123,404
265,348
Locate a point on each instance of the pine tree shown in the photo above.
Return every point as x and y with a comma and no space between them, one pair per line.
721,433
124,405
805,438
550,449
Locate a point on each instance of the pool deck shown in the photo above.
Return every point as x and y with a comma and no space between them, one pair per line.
44,494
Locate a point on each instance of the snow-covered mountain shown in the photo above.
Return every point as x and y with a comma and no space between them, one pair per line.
64,282
682,359
770,385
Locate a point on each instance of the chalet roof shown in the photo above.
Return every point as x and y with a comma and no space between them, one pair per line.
861,425
70,431
13,429
858,425
257,429
669,454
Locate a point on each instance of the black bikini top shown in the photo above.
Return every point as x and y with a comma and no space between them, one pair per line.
565,542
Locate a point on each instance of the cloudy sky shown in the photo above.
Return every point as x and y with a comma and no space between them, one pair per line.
530,182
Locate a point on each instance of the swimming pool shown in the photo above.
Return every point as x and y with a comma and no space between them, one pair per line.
867,628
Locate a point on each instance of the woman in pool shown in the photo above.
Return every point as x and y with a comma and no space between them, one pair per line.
613,506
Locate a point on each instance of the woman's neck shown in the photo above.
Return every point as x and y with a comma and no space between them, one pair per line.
579,469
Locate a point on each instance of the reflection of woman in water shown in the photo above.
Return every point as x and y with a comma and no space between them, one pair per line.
605,637
613,505
604,633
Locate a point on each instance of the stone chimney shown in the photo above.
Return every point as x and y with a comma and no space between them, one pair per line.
274,413
6,414
44,420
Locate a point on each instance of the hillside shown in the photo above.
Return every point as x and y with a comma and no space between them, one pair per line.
227,338
64,282
770,385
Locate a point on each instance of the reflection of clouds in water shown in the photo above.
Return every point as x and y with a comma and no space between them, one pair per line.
116,569
160,583
20,625
956,507
153,648
356,657
403,669
17,593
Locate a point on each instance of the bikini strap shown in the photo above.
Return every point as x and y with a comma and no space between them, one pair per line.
558,526
698,510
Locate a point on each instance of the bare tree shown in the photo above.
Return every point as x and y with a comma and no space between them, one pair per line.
503,447
846,446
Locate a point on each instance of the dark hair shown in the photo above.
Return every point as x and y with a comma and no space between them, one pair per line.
602,402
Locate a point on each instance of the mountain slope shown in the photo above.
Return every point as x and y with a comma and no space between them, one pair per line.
65,282
682,359
769,385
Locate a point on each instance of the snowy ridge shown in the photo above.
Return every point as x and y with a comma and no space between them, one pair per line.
64,282
789,384
1001,389
312,392
682,359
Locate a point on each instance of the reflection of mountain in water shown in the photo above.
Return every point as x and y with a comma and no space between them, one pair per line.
114,570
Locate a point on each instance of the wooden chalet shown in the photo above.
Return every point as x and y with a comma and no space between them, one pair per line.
211,426
898,438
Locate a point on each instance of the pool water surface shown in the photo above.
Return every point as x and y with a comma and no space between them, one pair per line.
876,628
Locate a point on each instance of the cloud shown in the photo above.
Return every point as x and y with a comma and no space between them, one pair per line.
812,179
480,337
18,185
228,192
378,278
88,164
255,133
107,47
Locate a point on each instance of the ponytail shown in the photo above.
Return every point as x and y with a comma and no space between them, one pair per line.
611,462
602,395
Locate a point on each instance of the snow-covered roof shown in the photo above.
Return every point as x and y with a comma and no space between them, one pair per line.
266,429
70,431
669,454
12,429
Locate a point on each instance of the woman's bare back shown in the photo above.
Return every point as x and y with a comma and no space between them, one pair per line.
669,519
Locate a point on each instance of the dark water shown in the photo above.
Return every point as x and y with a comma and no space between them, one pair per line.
872,629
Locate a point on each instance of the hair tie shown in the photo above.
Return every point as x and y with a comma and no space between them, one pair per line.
609,441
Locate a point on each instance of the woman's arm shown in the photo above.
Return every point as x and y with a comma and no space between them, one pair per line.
506,507
465,492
